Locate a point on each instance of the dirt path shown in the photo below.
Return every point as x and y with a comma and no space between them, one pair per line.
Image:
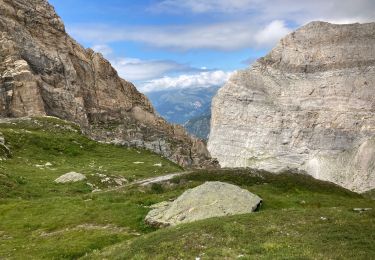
148,181
159,179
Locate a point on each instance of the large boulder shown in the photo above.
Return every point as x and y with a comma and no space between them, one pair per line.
309,104
212,199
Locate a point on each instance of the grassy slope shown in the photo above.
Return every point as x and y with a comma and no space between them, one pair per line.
32,205
300,218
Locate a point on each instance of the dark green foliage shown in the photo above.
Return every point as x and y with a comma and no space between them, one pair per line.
157,188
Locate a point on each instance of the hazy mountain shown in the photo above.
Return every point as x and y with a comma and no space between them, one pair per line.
199,126
179,106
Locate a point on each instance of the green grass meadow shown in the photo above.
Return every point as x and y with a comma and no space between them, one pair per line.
301,218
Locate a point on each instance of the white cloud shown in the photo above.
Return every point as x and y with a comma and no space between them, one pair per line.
271,34
203,6
302,12
237,28
137,70
134,69
220,36
103,49
201,80
267,10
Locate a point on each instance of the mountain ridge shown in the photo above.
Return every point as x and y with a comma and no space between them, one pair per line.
189,107
308,105
46,72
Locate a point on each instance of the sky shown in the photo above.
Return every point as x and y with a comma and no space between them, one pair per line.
170,44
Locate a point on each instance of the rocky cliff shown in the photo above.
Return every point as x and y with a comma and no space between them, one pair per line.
45,72
309,104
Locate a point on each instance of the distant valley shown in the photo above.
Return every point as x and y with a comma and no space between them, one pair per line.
190,107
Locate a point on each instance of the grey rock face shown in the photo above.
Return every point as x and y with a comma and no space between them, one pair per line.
309,104
43,71
5,152
71,177
212,199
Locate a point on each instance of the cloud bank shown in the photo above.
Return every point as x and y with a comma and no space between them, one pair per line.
267,10
200,80
219,25
241,23
221,36
136,69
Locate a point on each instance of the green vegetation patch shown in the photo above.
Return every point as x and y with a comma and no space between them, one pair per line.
42,219
301,218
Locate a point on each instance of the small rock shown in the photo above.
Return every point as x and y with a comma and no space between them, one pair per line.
360,210
120,181
107,179
70,177
158,165
323,218
138,162
3,148
48,164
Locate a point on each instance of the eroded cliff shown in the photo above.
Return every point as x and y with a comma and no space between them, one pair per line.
309,104
43,71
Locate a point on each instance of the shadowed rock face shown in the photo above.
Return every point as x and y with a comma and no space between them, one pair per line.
309,104
45,72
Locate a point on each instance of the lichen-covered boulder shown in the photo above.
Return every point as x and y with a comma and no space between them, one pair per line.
212,199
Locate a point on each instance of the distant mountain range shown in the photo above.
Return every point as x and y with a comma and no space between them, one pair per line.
199,126
188,107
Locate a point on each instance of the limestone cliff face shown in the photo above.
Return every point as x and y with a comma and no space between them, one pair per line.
45,72
309,104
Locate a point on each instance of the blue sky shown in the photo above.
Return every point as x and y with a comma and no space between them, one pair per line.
166,44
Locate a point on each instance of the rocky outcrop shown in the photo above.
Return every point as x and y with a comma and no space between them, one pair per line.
309,104
211,199
5,151
45,72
